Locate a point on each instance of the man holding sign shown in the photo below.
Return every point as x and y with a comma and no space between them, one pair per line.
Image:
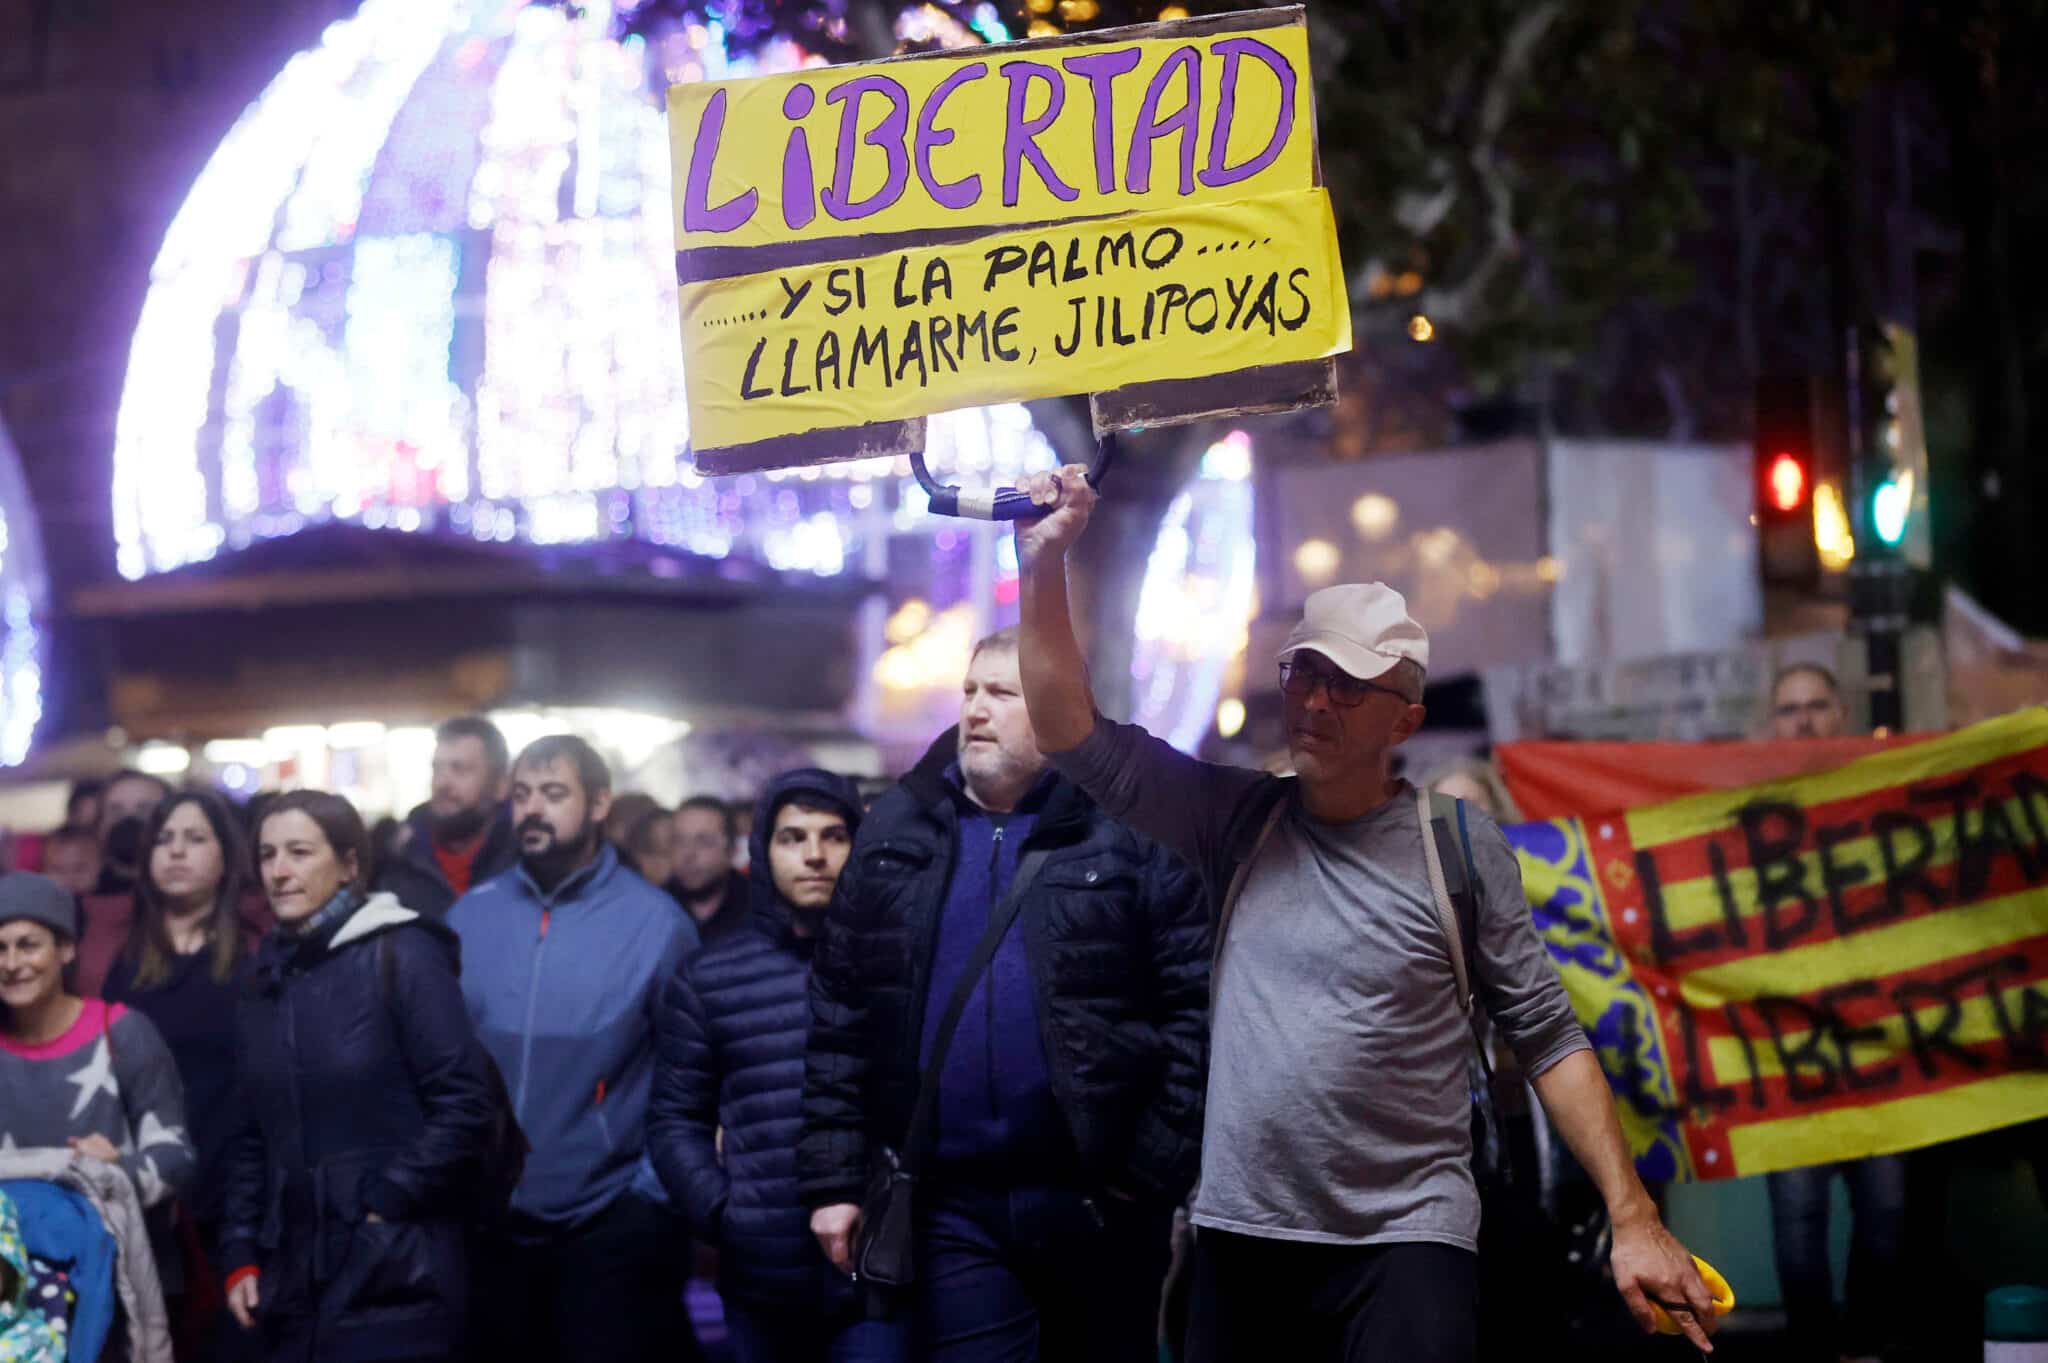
1337,1213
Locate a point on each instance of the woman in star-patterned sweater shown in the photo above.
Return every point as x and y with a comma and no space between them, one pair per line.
80,1073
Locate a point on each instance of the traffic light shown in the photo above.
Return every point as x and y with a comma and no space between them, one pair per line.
1787,481
1890,443
1785,477
1891,503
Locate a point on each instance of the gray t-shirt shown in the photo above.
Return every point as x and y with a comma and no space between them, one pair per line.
1339,1110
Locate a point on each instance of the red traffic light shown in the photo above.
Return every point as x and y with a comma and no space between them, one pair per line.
1787,482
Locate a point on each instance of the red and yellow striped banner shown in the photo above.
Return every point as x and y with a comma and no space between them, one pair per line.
1820,968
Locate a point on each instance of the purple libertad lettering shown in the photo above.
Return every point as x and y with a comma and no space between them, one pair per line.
888,136
1187,62
1100,69
959,193
799,197
698,214
1020,134
1217,173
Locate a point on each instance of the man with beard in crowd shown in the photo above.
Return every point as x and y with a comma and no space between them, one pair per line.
705,882
731,1035
1068,1110
462,835
563,959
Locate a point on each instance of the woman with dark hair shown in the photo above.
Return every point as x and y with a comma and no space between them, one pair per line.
368,1110
185,964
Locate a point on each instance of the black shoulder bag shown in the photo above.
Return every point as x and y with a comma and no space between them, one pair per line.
882,1248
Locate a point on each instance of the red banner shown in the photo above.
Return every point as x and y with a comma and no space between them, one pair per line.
1836,965
1555,780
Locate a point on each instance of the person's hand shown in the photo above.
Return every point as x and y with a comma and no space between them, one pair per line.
97,1147
1650,1264
242,1302
374,1219
1069,501
835,1227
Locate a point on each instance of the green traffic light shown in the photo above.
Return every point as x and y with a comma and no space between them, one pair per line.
1888,507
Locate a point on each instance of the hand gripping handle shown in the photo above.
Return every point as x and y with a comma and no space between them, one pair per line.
1003,503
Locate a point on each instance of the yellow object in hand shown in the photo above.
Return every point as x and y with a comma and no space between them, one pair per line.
1717,1287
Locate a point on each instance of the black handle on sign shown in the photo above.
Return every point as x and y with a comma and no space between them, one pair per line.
1003,503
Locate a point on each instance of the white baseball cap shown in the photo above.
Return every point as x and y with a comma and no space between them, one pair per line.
1362,627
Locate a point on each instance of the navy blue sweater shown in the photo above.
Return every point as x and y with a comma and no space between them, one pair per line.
996,1108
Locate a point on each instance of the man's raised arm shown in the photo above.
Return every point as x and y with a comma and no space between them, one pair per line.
1136,778
1048,655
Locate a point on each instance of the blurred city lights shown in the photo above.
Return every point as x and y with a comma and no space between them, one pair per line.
1374,516
355,734
1195,606
1832,536
24,592
163,759
1316,560
426,284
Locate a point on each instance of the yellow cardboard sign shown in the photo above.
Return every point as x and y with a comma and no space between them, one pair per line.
1021,133
1067,308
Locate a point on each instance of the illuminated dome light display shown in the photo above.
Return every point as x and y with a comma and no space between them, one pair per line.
24,594
1196,605
425,284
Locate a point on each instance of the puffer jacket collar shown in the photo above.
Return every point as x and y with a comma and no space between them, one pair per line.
345,919
1063,817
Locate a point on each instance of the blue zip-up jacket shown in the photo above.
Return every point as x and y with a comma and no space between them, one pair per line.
564,988
996,1109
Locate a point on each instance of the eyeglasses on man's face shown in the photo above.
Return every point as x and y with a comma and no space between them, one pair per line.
1300,680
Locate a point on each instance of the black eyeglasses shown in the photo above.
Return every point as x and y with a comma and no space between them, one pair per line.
1345,691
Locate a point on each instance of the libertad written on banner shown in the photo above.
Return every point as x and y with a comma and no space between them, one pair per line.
1839,965
872,244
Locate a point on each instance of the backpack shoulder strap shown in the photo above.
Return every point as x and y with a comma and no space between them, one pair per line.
1453,883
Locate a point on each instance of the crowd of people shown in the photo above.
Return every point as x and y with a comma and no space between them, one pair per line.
1063,1046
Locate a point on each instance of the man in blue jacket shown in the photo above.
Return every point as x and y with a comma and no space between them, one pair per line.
563,959
731,1040
1069,1104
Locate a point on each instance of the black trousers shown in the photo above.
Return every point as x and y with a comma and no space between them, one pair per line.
1257,1300
609,1291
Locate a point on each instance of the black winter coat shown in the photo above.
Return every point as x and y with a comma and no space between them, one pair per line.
416,880
364,1091
1117,937
730,1035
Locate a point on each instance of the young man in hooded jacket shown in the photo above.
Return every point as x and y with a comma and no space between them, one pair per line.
730,1055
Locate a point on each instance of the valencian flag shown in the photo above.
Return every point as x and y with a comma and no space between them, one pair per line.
1820,968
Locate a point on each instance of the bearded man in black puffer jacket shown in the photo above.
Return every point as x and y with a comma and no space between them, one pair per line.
1069,1104
730,1054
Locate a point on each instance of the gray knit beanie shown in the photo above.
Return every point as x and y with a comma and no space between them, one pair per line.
38,899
